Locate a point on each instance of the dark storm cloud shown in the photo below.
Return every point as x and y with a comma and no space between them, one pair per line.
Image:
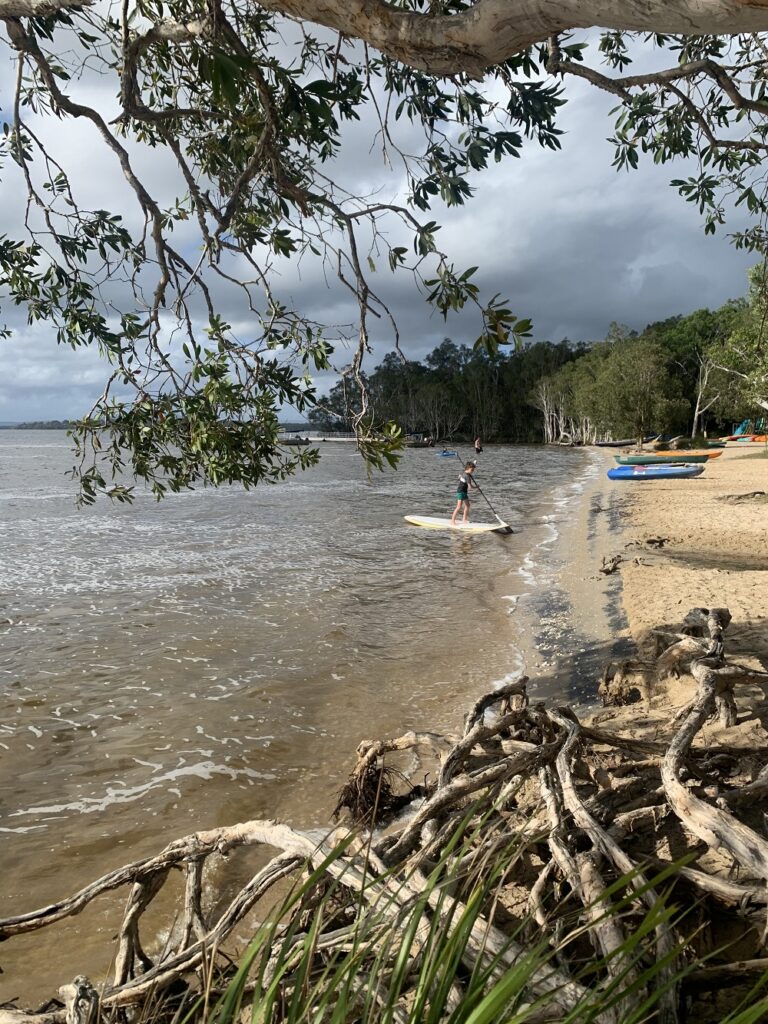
571,244
569,241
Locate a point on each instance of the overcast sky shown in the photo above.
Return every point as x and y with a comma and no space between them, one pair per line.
569,241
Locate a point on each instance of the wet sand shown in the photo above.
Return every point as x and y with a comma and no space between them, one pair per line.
576,622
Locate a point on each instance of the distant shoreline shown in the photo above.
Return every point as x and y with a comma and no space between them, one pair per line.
69,424
47,425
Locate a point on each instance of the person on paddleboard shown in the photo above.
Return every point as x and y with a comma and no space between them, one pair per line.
478,446
462,492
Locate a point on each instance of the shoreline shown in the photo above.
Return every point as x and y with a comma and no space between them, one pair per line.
714,553
711,550
573,622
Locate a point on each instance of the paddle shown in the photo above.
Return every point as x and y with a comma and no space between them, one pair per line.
507,528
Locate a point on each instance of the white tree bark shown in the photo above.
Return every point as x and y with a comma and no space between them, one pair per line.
38,8
489,31
706,366
492,30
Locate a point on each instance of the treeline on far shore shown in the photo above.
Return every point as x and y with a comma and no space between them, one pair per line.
699,373
40,425
684,375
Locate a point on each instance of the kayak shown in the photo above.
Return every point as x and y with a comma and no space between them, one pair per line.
665,458
675,472
656,460
437,523
625,443
686,453
446,455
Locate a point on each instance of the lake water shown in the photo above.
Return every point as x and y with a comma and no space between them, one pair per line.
218,656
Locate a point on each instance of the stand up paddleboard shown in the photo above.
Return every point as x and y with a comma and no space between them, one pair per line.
436,523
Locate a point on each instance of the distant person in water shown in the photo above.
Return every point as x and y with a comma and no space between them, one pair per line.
462,493
478,446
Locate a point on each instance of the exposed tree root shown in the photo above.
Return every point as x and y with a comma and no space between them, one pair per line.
580,829
610,565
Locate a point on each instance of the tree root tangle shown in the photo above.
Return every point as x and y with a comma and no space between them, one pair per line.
576,839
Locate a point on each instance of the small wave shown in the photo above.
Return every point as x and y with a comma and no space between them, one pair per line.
31,496
121,795
516,672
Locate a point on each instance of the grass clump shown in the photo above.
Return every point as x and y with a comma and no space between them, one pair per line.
446,946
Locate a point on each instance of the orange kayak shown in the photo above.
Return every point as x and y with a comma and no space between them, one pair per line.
683,455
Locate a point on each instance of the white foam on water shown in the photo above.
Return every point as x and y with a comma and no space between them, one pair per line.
204,770
24,829
516,671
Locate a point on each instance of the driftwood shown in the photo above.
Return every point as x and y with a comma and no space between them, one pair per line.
593,819
610,565
625,682
738,499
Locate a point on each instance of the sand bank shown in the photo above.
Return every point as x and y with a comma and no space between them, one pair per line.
713,537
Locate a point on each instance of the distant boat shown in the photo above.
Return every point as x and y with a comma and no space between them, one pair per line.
297,440
665,472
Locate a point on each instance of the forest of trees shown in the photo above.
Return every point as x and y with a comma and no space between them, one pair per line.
684,375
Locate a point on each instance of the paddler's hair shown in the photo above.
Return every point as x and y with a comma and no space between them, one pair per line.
469,465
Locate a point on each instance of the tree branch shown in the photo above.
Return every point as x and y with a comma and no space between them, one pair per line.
39,8
490,31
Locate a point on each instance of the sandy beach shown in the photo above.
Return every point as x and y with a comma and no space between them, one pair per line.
715,550
709,549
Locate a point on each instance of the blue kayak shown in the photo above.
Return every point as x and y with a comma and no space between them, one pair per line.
680,471
447,455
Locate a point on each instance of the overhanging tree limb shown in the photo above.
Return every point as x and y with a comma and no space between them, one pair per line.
39,8
488,32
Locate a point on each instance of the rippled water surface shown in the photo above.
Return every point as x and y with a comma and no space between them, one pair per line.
219,656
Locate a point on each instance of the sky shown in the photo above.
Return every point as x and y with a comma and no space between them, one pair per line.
572,243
